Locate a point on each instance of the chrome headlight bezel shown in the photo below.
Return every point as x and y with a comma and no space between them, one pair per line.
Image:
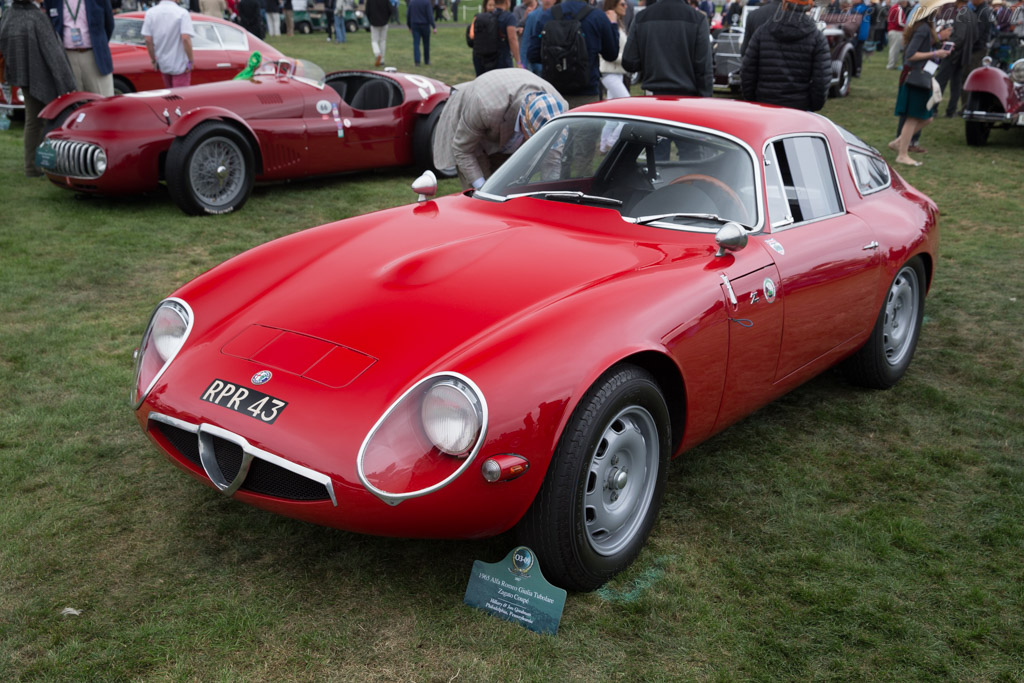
162,350
1017,71
412,402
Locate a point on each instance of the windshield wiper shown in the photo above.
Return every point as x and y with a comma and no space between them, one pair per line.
646,220
569,195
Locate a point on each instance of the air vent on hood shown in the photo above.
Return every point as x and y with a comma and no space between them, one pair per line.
315,359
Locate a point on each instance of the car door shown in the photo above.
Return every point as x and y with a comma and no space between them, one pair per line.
210,61
828,259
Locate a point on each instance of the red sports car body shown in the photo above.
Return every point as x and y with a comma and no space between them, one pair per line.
212,142
640,274
220,50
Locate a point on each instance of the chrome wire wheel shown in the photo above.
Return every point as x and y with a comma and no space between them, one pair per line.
217,171
899,325
621,480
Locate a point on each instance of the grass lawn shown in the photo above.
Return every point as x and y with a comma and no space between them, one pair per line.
836,534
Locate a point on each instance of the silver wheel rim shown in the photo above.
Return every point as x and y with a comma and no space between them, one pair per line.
217,171
621,478
900,320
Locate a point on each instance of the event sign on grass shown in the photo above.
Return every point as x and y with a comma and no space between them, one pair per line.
515,590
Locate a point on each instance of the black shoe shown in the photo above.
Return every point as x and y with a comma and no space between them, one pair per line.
950,114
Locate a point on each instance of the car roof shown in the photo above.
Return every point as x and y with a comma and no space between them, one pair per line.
751,122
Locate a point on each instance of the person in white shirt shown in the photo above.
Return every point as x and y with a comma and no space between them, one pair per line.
168,31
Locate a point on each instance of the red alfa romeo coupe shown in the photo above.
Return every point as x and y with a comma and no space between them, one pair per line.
640,274
210,143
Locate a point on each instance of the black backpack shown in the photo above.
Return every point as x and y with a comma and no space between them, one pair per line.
487,39
565,62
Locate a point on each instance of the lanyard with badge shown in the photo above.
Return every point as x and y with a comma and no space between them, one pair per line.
76,33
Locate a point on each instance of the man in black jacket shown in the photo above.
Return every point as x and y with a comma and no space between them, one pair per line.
756,19
670,44
787,61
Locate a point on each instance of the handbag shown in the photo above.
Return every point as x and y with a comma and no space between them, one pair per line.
919,79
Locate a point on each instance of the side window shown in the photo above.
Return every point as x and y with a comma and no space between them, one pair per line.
232,38
807,177
870,172
205,37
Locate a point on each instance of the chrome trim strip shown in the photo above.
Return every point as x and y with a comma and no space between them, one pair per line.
205,433
396,498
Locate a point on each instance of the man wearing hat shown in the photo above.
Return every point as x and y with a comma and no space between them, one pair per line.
487,119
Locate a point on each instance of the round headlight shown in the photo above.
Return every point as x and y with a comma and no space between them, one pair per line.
21,96
168,329
451,417
1017,71
101,161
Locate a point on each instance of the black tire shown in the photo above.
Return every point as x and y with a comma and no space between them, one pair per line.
351,26
842,86
122,86
210,170
423,143
976,133
601,494
886,355
304,27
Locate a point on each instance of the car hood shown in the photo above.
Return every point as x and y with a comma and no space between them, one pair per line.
260,97
418,286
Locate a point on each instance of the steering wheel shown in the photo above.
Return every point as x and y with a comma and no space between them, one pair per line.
741,209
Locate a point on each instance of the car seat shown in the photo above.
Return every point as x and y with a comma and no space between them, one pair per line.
375,94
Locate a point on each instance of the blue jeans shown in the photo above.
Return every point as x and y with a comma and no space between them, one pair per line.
339,26
420,32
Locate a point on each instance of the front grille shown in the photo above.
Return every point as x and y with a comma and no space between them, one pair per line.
270,480
264,477
77,159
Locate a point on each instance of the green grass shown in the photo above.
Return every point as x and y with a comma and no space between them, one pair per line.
836,534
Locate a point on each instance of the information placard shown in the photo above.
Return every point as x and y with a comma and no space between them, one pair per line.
516,590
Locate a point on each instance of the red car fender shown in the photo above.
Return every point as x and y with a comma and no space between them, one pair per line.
194,117
428,105
58,105
990,80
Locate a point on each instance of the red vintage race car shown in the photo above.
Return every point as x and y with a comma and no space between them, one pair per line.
640,274
220,50
211,142
994,99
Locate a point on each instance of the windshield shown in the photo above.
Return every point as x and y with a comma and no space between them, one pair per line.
648,171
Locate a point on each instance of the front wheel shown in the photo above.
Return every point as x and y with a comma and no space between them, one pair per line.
351,26
601,494
885,357
210,170
977,133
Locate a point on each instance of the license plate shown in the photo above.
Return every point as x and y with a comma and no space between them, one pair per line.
255,404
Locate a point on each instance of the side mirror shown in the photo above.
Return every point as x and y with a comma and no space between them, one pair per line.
425,185
730,237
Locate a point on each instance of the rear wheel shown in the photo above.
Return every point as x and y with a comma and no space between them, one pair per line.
304,27
423,143
842,86
351,26
122,86
210,170
601,494
885,357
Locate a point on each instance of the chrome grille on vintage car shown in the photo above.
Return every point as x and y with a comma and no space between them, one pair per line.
77,159
291,482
